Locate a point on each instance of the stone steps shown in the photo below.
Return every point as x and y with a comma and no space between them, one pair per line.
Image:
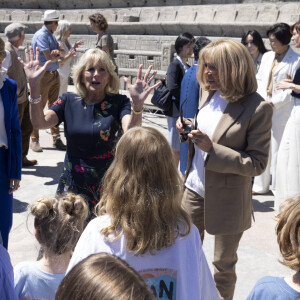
146,35
215,20
102,4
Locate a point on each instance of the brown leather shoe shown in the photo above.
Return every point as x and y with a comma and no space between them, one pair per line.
28,163
58,144
35,146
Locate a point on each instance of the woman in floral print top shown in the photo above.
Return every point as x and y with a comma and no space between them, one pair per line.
92,117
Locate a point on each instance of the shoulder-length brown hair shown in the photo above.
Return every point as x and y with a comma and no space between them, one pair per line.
235,68
100,20
142,193
90,58
288,233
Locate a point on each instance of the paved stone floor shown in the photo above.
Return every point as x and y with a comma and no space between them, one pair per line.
258,251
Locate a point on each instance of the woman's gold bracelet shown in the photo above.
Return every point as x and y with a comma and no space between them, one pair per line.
137,112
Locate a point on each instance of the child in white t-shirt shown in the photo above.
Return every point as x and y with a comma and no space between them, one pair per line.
141,220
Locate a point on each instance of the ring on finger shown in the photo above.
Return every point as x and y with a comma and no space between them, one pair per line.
148,81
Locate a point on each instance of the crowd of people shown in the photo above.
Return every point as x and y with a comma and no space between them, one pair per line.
125,223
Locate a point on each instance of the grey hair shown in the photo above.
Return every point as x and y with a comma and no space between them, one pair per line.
60,32
16,37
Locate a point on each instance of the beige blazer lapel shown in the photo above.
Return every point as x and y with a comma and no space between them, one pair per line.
204,97
230,116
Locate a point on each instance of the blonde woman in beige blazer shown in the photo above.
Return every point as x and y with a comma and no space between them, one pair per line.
229,145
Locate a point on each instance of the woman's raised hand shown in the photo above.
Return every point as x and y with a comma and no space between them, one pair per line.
34,71
78,44
140,90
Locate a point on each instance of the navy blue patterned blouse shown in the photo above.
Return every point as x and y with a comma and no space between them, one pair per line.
91,132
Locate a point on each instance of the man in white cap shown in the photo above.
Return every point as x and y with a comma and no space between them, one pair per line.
15,34
49,50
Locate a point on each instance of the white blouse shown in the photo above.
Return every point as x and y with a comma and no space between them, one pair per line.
207,119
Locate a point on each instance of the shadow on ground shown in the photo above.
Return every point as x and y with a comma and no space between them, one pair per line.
19,206
45,171
266,206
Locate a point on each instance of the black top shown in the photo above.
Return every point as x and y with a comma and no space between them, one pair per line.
296,81
175,75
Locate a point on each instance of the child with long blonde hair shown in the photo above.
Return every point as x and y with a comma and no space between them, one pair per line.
141,220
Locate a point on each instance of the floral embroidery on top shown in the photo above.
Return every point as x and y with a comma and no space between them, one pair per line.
98,124
105,134
103,156
79,168
58,102
103,109
105,105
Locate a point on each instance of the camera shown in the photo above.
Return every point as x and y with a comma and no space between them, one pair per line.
188,128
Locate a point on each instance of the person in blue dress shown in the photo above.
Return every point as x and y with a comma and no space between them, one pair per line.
92,117
189,92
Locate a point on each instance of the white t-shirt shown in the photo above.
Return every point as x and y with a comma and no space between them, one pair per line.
177,272
32,282
207,120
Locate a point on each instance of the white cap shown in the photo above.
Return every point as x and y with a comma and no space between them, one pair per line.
51,15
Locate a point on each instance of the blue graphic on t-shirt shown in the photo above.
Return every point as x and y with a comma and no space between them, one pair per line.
163,287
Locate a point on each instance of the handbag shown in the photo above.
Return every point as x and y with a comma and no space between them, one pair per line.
162,97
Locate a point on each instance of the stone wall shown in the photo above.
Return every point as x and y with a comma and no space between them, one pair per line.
94,4
145,32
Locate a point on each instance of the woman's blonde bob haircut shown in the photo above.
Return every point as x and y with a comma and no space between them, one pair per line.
103,276
288,232
142,192
234,65
89,59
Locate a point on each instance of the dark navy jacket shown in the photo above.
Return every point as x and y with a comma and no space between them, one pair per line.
12,126
175,75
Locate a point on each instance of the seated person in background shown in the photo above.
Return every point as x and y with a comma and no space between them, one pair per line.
58,224
103,276
142,221
288,230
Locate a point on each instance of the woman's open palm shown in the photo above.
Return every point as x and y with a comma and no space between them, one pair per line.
34,71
